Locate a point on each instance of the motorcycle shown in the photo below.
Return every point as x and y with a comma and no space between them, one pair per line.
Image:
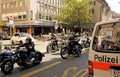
85,43
9,57
52,46
73,47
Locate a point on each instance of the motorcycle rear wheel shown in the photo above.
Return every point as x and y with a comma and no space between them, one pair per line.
38,58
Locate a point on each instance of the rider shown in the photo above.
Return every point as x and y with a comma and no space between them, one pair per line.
29,45
74,40
54,40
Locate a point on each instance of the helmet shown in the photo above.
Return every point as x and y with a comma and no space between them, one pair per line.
28,38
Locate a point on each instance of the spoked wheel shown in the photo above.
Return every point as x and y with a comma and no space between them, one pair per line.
7,66
38,58
48,49
64,53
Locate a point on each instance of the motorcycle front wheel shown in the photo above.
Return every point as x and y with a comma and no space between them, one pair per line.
7,66
64,53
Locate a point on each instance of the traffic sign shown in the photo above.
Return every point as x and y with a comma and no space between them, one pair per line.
11,19
56,25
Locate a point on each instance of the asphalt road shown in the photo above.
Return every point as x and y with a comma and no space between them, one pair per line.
53,65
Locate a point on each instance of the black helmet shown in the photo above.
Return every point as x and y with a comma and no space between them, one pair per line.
28,38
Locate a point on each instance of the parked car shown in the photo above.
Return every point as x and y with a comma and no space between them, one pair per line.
20,38
4,36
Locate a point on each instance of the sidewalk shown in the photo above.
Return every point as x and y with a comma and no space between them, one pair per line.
41,45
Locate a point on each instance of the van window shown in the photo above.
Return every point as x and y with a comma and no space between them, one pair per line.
107,38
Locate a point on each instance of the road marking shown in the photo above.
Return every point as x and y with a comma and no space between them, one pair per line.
40,69
67,71
79,72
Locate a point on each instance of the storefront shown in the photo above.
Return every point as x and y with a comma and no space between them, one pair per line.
34,28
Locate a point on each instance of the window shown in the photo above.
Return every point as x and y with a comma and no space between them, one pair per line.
3,6
38,5
24,15
47,17
51,1
52,7
46,6
43,16
40,16
21,3
11,4
90,3
42,5
107,38
8,5
15,15
17,4
19,16
24,2
50,18
92,11
94,2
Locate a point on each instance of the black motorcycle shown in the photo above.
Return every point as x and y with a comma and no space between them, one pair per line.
8,58
52,46
73,47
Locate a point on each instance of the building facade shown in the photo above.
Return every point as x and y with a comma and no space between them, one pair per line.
100,11
31,16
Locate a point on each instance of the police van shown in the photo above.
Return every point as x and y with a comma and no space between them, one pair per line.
104,52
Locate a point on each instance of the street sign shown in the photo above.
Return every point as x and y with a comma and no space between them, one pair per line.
11,19
56,25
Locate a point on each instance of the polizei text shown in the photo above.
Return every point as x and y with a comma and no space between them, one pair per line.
105,58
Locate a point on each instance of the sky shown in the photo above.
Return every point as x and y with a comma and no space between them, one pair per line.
114,5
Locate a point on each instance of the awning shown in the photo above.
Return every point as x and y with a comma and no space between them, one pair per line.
23,26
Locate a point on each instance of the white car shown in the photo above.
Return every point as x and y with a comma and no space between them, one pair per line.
20,38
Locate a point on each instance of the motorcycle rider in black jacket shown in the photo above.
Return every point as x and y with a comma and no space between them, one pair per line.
30,50
73,41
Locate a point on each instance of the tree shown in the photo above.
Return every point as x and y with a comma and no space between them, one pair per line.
74,12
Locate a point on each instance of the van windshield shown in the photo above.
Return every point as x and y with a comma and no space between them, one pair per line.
107,38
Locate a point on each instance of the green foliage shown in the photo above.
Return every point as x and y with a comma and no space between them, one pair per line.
74,12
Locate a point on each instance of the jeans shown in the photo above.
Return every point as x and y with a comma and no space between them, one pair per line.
31,55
